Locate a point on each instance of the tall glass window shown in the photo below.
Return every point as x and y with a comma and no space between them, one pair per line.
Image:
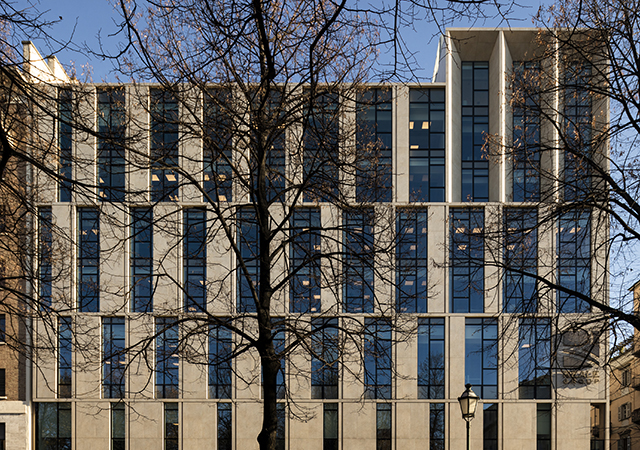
220,346
111,135
53,426
248,271
167,359
467,260
279,347
274,146
431,358
490,426
3,328
436,426
358,260
543,425
195,260
65,144
481,361
330,426
526,131
426,145
577,131
280,433
276,168
411,261
377,360
321,130
45,243
171,426
88,260
305,250
118,426
534,358
374,142
218,145
475,129
141,260
520,257
164,146
114,361
383,426
324,362
65,348
224,427
574,261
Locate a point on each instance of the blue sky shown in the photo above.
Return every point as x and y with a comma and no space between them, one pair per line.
92,23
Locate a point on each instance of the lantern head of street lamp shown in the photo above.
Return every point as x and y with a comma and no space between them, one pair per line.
468,403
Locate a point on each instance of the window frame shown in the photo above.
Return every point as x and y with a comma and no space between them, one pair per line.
195,260
431,156
88,260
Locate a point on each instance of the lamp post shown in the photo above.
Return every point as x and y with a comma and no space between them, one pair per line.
468,403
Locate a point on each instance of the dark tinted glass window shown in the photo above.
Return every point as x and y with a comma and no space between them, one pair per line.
224,427
171,427
65,348
426,145
534,358
111,135
305,250
324,362
195,260
330,426
167,359
142,260
53,426
574,261
374,141
114,360
475,129
436,426
218,145
467,260
164,146
88,260
65,144
526,131
358,261
45,243
321,130
248,268
383,426
481,360
118,426
490,426
577,131
220,346
520,259
431,365
377,360
411,261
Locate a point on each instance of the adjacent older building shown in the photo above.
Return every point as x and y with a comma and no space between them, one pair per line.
134,260
625,390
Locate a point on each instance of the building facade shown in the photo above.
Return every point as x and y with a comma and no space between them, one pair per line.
134,262
625,401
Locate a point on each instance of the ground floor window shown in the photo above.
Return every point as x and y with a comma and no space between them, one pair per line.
53,426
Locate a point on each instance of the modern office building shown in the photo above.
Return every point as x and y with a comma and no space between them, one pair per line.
131,256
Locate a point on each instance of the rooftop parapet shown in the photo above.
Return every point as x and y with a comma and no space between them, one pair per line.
40,70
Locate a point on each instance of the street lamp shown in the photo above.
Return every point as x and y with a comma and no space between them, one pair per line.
468,403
